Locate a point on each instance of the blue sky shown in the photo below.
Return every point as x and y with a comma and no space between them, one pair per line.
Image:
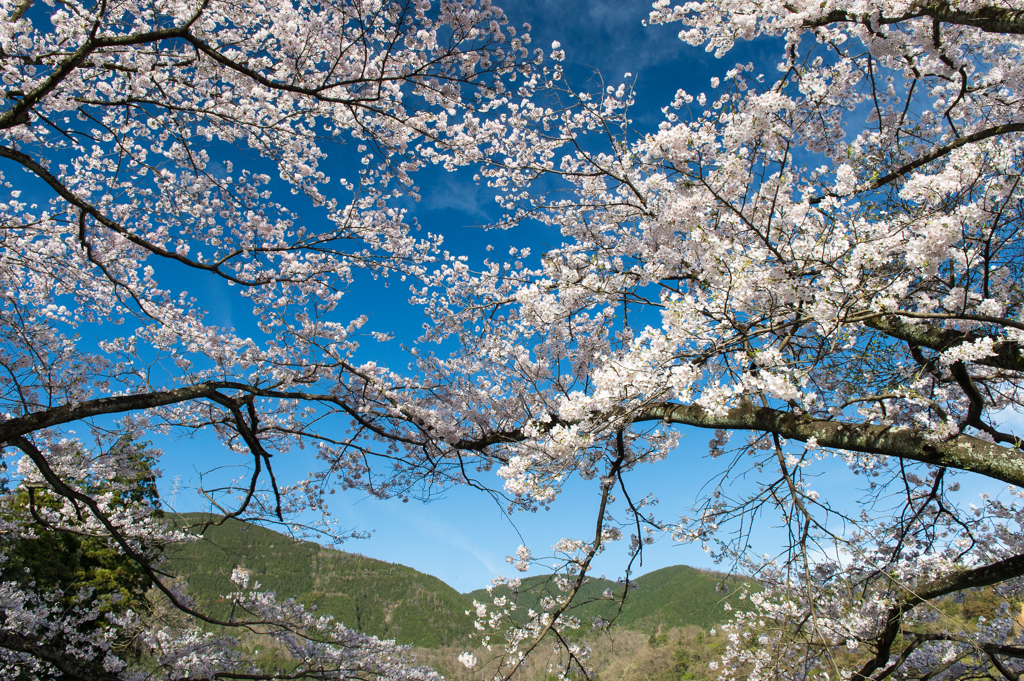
463,537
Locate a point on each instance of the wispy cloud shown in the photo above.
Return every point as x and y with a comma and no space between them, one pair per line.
455,192
607,35
452,535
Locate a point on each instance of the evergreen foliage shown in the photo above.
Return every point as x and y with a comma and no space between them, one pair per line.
678,596
394,601
66,562
372,596
665,632
672,597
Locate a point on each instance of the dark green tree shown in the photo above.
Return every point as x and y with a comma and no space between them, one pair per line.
63,558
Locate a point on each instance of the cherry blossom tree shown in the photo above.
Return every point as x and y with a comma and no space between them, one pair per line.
149,149
824,257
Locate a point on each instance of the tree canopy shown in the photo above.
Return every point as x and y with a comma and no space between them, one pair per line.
75,570
822,253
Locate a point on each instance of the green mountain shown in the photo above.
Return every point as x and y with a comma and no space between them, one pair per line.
670,597
378,598
590,601
680,595
394,601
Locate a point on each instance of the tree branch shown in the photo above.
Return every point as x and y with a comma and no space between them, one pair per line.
1008,354
947,584
68,667
988,18
47,418
962,452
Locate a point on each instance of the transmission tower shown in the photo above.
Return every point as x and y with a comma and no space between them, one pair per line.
175,488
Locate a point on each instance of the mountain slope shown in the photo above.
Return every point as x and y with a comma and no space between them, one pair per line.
680,595
394,601
378,598
671,597
589,601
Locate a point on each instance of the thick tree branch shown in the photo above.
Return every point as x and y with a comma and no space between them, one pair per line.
18,114
1008,354
947,584
945,149
938,152
990,19
49,178
48,418
990,648
962,452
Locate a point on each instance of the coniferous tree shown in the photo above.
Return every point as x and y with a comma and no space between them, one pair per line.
78,572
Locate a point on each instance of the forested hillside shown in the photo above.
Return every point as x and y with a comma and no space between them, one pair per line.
378,598
394,601
672,597
665,631
679,596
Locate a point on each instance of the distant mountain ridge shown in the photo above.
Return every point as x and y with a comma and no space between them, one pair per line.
670,597
395,601
368,595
